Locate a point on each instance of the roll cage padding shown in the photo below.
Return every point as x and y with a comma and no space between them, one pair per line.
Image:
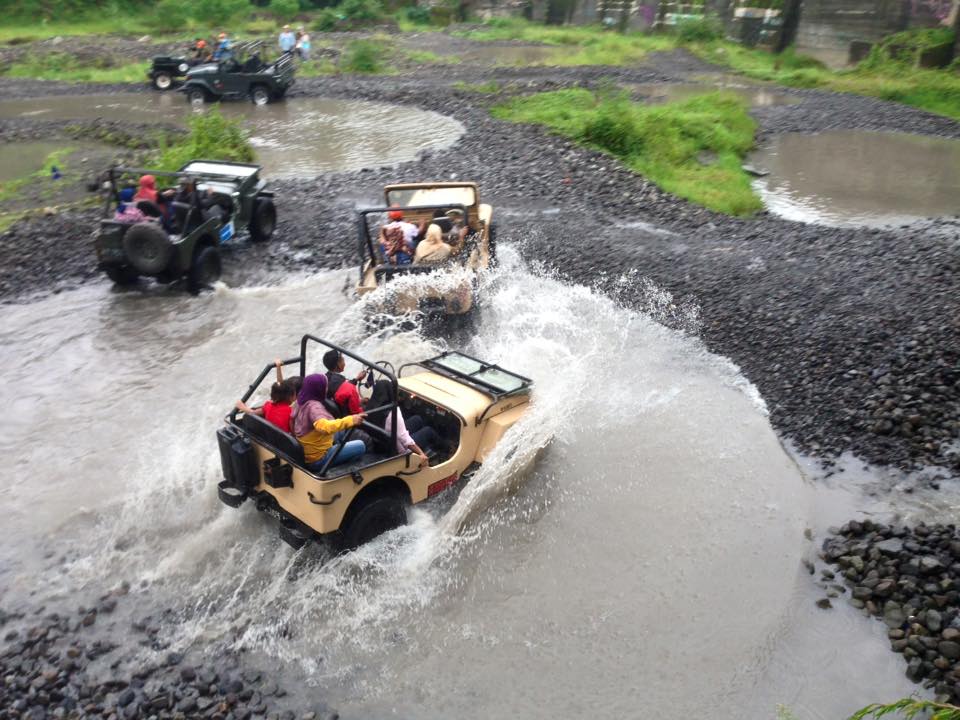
283,443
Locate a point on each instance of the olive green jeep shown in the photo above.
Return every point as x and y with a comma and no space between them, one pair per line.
169,240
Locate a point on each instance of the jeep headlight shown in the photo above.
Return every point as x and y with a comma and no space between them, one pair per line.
183,67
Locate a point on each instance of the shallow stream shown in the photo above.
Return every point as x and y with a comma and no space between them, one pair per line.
648,564
295,138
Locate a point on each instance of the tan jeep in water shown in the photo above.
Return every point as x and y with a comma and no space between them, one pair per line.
470,403
451,206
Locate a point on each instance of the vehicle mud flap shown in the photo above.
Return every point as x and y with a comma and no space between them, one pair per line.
238,459
230,495
293,533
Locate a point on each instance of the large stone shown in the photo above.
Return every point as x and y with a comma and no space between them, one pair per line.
893,615
949,649
933,621
890,547
930,564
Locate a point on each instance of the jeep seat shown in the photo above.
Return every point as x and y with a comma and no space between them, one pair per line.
182,217
276,439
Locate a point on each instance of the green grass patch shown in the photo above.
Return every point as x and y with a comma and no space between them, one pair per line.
664,143
13,189
320,67
582,44
368,57
67,68
937,91
425,57
211,136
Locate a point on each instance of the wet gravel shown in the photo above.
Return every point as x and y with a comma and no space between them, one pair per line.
909,578
90,664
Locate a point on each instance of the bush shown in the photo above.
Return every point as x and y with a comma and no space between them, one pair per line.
417,14
362,56
285,9
218,12
171,15
705,29
211,137
361,12
326,20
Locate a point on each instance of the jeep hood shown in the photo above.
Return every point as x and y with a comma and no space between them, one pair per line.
205,69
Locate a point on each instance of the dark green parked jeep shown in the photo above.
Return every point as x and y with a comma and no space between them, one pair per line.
172,238
243,74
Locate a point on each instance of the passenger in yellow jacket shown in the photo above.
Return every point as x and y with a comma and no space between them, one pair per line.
317,429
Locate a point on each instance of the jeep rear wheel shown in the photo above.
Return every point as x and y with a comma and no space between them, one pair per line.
147,247
196,96
259,95
264,220
204,270
372,519
122,274
162,81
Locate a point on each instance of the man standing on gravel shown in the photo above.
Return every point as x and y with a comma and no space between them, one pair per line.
287,40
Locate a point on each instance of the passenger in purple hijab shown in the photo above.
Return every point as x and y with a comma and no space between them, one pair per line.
317,429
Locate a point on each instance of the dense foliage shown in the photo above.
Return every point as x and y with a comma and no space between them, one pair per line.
211,136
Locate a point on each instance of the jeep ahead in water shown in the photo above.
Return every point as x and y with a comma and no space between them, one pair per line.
183,239
243,74
449,205
470,403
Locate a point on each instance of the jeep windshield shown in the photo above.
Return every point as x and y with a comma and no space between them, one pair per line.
490,378
438,196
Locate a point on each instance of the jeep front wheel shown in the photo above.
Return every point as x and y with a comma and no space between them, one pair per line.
259,95
205,269
147,248
162,81
264,220
196,96
372,519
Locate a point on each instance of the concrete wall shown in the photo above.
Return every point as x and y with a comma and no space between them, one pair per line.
828,27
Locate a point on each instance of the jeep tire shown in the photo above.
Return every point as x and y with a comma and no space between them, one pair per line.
122,274
259,95
492,242
204,270
373,518
264,220
196,96
147,248
162,81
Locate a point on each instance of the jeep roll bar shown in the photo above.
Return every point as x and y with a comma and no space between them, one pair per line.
116,170
383,368
365,243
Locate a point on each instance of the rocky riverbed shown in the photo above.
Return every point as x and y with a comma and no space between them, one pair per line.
851,335
910,579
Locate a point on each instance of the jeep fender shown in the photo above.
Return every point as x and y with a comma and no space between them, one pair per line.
377,488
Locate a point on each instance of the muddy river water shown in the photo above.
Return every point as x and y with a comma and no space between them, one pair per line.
650,557
302,137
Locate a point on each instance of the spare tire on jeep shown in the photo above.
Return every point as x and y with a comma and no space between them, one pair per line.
147,247
264,220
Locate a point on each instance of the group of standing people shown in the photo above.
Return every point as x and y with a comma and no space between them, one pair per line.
299,406
295,43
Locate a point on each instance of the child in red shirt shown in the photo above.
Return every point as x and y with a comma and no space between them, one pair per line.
278,410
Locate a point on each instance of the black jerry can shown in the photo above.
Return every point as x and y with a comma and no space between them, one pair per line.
238,459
